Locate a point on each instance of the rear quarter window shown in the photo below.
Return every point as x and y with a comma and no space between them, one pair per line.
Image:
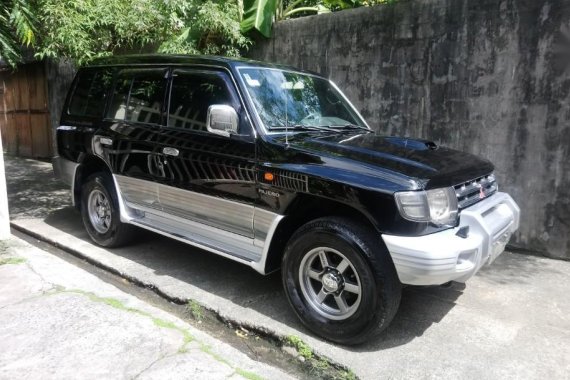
90,93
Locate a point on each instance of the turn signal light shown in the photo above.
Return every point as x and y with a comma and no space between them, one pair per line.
268,176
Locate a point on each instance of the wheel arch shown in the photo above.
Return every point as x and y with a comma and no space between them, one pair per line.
89,165
303,209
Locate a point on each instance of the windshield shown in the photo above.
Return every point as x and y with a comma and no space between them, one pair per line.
288,98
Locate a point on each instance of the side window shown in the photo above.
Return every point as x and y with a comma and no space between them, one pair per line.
90,93
118,107
138,97
192,94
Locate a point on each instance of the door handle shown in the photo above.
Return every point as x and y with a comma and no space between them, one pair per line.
170,151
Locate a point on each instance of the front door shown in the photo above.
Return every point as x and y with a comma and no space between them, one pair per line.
208,178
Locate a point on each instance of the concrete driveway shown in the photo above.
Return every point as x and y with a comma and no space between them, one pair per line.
510,321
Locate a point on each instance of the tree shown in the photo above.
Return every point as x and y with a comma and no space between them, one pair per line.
17,27
210,27
259,15
86,29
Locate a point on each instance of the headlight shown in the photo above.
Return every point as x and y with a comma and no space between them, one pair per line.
438,206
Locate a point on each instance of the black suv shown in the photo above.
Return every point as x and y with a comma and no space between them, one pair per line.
273,167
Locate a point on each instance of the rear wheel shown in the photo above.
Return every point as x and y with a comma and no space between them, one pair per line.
100,212
340,282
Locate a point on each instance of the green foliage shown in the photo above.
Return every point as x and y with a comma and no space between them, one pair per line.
17,27
119,305
260,14
12,260
195,310
319,367
347,375
337,5
86,29
302,348
208,27
248,375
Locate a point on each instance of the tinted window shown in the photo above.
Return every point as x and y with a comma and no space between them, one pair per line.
117,108
90,93
144,92
192,94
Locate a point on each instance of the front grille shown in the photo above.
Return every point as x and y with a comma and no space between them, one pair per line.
471,192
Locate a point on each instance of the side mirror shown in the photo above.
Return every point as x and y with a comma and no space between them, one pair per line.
222,120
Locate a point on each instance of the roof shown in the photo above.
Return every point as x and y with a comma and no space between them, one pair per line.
171,59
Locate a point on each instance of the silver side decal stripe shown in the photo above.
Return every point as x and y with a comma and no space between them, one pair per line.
231,229
138,192
217,212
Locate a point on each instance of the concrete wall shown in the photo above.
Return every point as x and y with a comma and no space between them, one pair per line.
487,76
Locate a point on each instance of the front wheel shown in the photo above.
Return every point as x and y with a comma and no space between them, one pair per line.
340,282
100,212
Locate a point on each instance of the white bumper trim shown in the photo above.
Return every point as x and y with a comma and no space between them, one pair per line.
443,256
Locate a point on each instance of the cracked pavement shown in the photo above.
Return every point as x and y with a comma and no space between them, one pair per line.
58,321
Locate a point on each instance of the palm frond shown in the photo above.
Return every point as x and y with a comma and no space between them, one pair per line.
24,21
17,27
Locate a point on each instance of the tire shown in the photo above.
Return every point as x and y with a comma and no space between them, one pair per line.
352,297
100,212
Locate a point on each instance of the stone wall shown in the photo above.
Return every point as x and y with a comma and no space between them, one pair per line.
490,77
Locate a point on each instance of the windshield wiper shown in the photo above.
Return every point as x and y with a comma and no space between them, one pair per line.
300,127
352,126
326,128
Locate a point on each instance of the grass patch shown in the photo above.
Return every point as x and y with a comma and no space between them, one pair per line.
317,366
243,373
165,324
302,348
321,365
207,349
196,310
12,260
187,339
248,375
347,375
117,304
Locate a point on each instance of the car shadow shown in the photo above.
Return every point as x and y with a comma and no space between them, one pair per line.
421,307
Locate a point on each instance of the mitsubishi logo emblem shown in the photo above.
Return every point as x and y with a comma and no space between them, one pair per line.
481,192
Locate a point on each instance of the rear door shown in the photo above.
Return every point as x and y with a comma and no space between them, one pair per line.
129,138
208,178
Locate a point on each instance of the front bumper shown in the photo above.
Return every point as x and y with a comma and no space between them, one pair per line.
444,256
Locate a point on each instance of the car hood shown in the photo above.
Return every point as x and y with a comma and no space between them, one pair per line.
420,159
